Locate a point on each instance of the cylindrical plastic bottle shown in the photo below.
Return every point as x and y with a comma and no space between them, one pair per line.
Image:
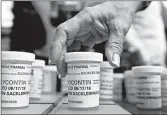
106,81
148,86
164,89
130,86
117,87
49,79
16,78
83,79
36,79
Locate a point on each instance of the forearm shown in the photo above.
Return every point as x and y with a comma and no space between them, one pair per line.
43,9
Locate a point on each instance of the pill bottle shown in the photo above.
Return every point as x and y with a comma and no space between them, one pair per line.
83,75
36,79
148,86
106,81
117,87
130,86
164,89
16,78
49,79
64,85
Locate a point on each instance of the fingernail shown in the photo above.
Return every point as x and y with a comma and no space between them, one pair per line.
115,62
51,63
59,76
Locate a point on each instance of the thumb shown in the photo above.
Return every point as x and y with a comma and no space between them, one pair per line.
113,49
118,27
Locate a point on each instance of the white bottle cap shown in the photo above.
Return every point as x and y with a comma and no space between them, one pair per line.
164,72
118,75
106,65
17,56
83,56
128,73
40,63
50,68
145,69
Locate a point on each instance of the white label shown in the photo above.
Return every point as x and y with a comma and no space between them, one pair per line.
130,88
148,91
164,91
117,89
83,85
64,85
36,83
106,82
49,81
15,84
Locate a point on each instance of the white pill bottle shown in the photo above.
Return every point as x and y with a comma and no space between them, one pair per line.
130,86
49,79
64,85
83,74
117,87
16,78
164,89
148,86
37,79
106,81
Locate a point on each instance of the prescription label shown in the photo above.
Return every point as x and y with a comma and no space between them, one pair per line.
164,91
15,84
83,85
148,91
36,83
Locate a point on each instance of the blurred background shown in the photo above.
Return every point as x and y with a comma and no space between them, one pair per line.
30,26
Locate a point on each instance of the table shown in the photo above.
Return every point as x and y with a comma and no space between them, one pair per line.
31,109
51,98
134,110
103,109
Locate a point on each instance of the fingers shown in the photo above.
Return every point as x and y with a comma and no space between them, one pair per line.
113,49
57,45
114,45
62,66
64,37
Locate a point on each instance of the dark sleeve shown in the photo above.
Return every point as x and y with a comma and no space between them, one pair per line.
28,32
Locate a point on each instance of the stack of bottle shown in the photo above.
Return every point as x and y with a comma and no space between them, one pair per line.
117,89
106,81
24,78
130,87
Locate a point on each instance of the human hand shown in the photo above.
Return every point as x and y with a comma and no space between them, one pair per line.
107,21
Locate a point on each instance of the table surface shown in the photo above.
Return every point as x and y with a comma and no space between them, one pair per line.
47,99
103,109
134,110
31,109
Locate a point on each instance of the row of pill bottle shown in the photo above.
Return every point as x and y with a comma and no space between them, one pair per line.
117,87
106,81
164,89
130,86
36,79
148,86
16,78
83,75
64,85
49,79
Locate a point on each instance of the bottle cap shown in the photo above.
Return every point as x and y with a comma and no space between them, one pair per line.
164,72
128,73
83,56
17,56
38,63
106,65
145,69
50,68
